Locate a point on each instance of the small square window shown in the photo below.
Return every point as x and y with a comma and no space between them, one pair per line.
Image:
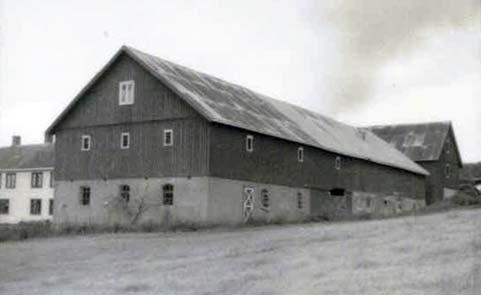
125,140
35,206
338,163
37,179
86,143
126,92
168,137
249,143
10,180
300,154
4,206
85,196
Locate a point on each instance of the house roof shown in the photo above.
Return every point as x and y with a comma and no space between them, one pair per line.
27,156
420,142
230,104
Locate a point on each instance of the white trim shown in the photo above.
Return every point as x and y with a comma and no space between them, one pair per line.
122,140
127,96
251,139
338,163
85,136
171,143
300,154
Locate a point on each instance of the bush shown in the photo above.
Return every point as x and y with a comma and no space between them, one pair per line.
463,199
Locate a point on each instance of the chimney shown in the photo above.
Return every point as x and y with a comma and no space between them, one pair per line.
16,140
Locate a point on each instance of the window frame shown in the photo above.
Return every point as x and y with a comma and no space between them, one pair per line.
7,212
82,141
249,143
168,194
85,196
126,135
447,171
338,163
50,207
10,180
33,179
300,201
265,198
164,138
124,192
32,207
129,98
300,154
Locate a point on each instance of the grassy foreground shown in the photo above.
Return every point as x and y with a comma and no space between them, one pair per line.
431,254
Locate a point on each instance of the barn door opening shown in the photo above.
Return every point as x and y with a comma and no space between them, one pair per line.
248,204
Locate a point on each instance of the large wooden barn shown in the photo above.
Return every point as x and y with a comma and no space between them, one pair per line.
150,140
433,146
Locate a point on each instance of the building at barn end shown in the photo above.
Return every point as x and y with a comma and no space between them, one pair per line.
26,182
151,141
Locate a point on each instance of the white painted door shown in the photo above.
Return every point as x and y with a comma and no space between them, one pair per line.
248,203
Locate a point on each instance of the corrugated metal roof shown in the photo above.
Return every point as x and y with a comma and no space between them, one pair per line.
27,156
420,142
230,104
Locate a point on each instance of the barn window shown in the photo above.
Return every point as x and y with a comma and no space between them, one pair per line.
300,154
37,178
35,206
125,193
50,207
10,180
86,143
265,198
168,195
168,137
447,171
249,143
4,206
85,196
300,203
126,92
337,192
385,202
125,140
337,163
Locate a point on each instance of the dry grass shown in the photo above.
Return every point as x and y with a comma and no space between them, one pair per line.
431,254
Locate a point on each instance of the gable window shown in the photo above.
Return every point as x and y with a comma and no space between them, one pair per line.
265,198
4,206
35,206
52,179
337,164
447,171
168,195
125,193
86,143
10,180
249,143
168,137
300,203
50,207
125,140
126,92
300,154
37,179
84,195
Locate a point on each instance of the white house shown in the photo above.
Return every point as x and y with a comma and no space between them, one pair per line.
26,182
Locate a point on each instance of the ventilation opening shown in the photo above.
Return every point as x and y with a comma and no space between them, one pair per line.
337,192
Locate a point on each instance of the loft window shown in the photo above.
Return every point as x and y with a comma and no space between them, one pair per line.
168,195
300,203
265,198
10,180
126,92
249,143
337,163
447,171
86,143
125,193
4,206
168,137
300,154
50,207
37,179
125,140
85,196
35,206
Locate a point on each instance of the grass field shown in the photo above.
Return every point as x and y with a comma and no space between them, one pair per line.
432,254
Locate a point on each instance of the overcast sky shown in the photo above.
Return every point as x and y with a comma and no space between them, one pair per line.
361,62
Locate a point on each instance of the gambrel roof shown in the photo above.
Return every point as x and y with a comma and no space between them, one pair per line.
420,142
230,104
33,156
